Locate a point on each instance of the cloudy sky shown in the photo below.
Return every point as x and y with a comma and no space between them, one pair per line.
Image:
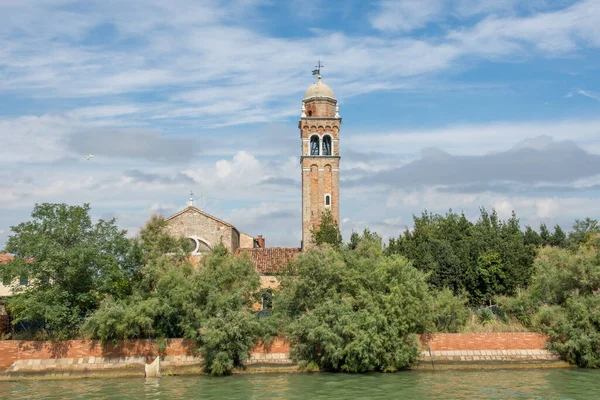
445,104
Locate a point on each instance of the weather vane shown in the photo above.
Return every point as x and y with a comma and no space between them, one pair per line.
318,67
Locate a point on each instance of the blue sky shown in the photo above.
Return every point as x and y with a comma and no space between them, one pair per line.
446,104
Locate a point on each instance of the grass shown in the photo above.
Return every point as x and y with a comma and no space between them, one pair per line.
493,324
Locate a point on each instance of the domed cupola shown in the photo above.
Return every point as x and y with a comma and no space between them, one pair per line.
318,89
319,101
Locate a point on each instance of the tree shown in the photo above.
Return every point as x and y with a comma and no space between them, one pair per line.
532,237
211,304
582,229
558,238
328,231
545,235
562,302
354,310
483,259
71,264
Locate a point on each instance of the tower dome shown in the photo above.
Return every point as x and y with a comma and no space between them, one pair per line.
319,89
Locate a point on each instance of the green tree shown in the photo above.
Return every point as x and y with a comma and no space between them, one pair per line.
531,237
328,231
545,235
487,258
582,230
562,301
558,238
71,263
211,304
355,310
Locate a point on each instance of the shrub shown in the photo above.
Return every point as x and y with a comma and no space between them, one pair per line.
356,310
575,330
450,312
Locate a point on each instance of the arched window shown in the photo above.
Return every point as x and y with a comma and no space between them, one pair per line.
327,145
327,200
199,246
310,113
314,145
203,247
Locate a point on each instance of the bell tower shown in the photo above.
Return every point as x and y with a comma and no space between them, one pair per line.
320,133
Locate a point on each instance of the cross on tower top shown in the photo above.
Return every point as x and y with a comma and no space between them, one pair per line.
318,67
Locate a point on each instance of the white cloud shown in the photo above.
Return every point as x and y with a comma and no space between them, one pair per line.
585,93
472,139
405,15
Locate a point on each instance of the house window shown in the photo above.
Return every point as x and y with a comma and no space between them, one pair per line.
23,280
327,145
327,200
314,145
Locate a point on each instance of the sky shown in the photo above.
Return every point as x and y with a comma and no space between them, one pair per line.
455,104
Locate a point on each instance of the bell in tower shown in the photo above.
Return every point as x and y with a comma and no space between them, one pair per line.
320,133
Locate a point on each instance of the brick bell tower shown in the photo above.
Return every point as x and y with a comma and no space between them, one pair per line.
320,133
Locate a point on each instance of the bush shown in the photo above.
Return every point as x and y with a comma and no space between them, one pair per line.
356,310
211,304
575,330
450,312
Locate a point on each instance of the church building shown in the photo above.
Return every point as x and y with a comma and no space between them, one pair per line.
319,127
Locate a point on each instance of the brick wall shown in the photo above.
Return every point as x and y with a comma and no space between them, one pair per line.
13,350
486,341
277,346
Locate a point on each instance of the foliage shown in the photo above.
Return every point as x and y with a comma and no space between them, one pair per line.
493,324
583,230
574,330
484,259
211,304
562,301
485,315
71,264
450,311
328,231
558,238
560,272
355,310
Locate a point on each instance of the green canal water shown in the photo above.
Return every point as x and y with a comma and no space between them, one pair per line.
491,384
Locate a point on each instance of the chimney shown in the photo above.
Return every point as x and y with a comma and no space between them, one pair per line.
261,241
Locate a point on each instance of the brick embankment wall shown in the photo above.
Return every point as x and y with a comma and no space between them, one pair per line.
467,350
486,341
80,354
13,350
487,350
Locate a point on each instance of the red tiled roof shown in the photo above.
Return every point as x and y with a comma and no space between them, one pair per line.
5,258
271,259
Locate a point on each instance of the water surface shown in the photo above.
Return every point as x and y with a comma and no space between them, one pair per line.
490,384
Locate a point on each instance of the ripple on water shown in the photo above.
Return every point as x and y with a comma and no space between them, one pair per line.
488,384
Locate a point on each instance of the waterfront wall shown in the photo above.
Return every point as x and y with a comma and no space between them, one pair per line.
485,341
14,350
459,349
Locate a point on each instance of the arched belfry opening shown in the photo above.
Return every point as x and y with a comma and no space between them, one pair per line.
314,145
326,145
320,155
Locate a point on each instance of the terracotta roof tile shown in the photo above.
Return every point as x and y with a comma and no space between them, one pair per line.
270,260
4,258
